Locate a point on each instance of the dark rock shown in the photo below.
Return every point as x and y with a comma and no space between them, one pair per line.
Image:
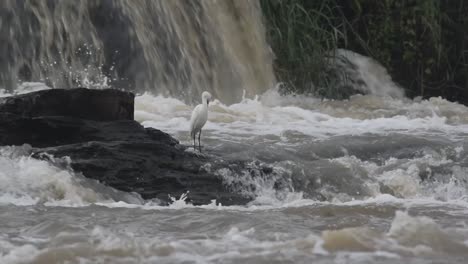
101,105
47,131
152,168
120,153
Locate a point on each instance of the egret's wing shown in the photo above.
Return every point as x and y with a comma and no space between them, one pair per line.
195,119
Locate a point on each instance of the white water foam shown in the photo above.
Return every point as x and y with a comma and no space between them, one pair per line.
25,87
28,181
403,177
275,115
407,236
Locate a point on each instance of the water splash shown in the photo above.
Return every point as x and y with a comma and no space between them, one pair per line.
177,48
28,181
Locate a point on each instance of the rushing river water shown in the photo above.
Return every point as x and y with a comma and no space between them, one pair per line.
371,180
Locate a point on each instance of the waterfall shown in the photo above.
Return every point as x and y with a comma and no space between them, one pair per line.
178,48
363,74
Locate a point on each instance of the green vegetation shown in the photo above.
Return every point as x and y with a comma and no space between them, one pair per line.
422,43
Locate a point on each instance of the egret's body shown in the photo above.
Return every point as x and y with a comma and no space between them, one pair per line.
199,117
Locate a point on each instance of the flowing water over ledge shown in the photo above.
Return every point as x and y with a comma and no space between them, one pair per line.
367,180
178,48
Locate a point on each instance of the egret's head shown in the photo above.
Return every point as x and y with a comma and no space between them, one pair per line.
206,97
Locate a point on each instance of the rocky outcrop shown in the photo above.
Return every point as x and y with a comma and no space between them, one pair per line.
95,128
101,105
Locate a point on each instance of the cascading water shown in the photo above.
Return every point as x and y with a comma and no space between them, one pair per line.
362,74
49,41
177,48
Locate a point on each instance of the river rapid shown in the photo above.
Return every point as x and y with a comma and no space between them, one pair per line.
366,180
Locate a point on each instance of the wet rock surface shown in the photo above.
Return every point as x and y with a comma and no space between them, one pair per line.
90,104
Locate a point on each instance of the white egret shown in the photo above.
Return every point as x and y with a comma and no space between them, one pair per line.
199,117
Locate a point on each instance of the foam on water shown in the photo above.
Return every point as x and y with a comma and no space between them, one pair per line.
286,122
275,115
445,181
28,181
406,236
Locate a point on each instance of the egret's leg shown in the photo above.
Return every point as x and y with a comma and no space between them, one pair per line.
199,144
194,135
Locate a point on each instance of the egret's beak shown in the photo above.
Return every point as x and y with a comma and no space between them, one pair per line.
207,101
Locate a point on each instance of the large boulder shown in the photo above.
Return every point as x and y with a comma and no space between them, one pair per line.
118,152
101,105
131,158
